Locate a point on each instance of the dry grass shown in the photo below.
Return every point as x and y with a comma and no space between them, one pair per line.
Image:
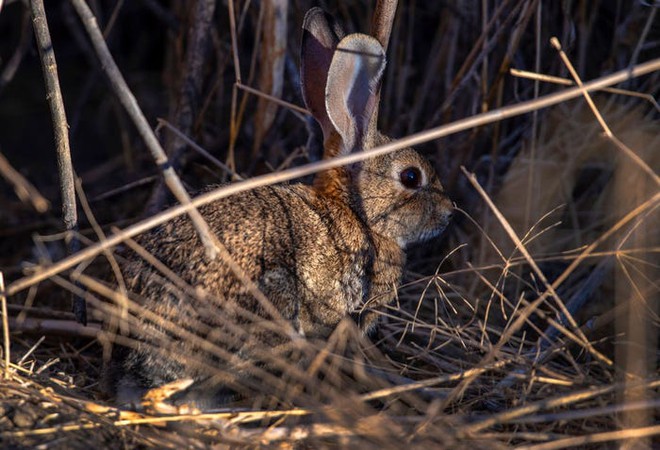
533,322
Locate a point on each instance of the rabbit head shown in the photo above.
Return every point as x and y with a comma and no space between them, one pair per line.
398,195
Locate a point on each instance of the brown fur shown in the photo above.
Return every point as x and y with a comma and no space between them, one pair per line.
318,253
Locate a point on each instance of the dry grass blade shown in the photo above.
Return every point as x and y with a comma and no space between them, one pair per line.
622,435
567,82
468,374
502,331
627,151
5,328
546,404
291,174
550,289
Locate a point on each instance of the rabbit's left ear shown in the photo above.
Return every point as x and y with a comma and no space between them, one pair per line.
350,93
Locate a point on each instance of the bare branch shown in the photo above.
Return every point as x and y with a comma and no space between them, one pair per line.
5,325
61,131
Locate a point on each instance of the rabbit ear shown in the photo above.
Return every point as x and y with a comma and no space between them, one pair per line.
350,93
321,34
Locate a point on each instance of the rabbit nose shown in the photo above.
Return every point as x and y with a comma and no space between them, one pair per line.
448,207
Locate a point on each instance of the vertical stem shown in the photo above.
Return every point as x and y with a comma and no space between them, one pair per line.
5,326
381,28
233,126
484,64
58,114
190,89
61,132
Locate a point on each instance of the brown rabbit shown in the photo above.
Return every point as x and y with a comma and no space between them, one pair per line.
319,253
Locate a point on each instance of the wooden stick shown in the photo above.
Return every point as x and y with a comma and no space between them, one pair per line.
381,29
5,326
61,131
58,114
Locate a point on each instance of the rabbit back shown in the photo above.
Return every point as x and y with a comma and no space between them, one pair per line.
310,255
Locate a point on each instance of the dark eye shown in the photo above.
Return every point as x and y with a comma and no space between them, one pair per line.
411,177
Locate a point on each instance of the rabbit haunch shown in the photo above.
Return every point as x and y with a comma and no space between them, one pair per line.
317,253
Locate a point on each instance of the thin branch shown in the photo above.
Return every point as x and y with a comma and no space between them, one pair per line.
57,327
275,100
590,439
550,289
606,129
308,169
566,82
5,326
58,114
234,40
196,147
61,132
233,126
548,404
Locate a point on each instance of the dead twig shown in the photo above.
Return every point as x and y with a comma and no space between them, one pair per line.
61,131
566,82
606,129
276,100
197,148
5,327
578,441
56,327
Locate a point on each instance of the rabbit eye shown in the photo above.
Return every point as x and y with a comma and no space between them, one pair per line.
411,177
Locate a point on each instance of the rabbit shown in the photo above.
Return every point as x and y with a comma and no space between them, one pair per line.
319,253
